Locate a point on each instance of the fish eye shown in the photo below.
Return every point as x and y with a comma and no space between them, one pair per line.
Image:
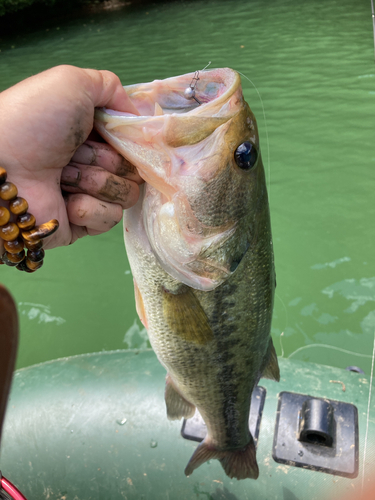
246,155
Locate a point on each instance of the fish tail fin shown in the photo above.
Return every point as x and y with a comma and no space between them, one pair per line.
271,369
240,463
177,406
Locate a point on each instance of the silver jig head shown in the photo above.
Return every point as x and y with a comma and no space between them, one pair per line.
190,91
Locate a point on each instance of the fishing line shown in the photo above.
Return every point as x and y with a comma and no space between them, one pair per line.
373,351
286,323
266,130
373,21
189,92
368,415
281,344
326,346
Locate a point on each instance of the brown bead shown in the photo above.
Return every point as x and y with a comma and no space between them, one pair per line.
8,191
15,246
6,261
41,231
34,245
3,175
22,265
9,232
16,258
33,266
18,206
26,221
36,256
4,216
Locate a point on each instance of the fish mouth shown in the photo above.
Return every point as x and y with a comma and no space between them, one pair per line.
160,97
174,144
168,117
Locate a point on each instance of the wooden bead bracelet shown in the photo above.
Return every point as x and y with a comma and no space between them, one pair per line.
23,232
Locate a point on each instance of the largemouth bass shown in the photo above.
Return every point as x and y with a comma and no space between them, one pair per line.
200,249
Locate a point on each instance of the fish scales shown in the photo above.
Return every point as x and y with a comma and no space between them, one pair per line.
200,249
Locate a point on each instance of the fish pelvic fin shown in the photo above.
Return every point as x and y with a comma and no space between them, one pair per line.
271,370
139,304
177,406
239,464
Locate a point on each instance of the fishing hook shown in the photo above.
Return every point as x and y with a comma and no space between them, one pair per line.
190,91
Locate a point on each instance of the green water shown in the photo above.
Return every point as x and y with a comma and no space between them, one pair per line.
313,64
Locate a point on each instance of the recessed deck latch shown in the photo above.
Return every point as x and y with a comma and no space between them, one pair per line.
195,429
317,434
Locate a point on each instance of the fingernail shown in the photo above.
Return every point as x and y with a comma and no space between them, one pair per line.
70,176
85,154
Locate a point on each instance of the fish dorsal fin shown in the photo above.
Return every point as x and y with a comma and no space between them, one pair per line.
186,317
271,371
187,130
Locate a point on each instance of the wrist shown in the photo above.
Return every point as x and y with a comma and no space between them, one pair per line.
18,230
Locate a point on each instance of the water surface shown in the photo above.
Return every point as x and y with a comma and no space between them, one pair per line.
313,64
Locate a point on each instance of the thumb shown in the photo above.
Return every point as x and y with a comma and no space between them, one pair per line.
106,90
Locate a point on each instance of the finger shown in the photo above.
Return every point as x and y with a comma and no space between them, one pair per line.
94,215
82,231
99,183
106,90
103,155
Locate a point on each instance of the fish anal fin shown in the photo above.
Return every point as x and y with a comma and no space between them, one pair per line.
177,406
139,305
271,370
239,464
186,317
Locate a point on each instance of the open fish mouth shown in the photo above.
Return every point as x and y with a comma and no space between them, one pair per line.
158,103
178,143
170,95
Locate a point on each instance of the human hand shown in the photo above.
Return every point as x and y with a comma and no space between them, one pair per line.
99,180
44,121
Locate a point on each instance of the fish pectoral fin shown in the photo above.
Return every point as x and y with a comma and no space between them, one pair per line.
240,463
271,370
177,406
186,317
